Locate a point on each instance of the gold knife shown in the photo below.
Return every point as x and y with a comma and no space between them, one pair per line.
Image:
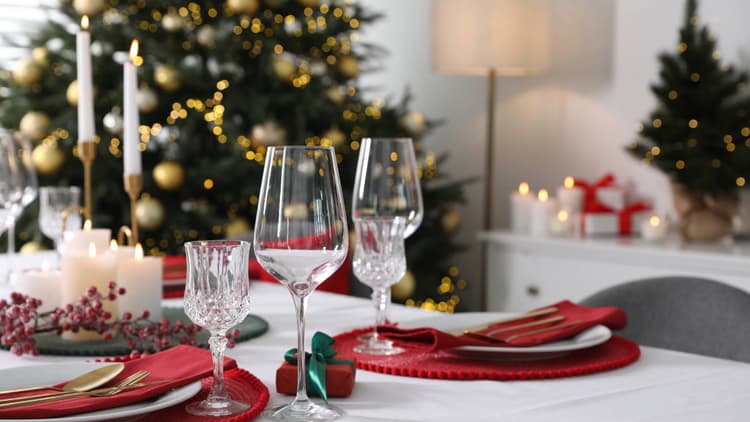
532,314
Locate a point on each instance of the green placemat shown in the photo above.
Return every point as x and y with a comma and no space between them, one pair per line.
52,344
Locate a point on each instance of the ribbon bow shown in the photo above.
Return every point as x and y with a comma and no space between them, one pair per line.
322,354
590,188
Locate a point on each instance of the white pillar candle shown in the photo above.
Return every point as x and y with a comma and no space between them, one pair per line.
541,213
81,270
79,240
131,122
654,228
40,283
142,279
85,83
520,209
570,197
562,223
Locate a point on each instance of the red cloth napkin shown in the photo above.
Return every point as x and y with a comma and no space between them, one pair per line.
432,339
179,365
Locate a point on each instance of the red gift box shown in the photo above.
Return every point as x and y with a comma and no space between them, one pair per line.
598,219
339,379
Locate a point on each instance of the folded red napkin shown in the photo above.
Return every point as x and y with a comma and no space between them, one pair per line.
432,339
179,365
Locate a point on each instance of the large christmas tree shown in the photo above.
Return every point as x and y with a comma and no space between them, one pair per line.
699,133
221,80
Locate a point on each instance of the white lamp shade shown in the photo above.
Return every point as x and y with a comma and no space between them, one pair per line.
470,37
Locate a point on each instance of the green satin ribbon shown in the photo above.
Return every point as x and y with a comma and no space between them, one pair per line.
315,363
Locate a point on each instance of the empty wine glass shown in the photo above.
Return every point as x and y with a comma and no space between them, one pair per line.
386,190
217,297
53,201
11,187
26,175
301,239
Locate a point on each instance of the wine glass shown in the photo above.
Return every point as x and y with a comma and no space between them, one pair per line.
26,175
301,239
53,201
386,191
217,297
11,186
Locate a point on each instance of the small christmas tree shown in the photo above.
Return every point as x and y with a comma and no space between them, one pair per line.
220,82
699,133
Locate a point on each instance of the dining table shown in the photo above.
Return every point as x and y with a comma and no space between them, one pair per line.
662,385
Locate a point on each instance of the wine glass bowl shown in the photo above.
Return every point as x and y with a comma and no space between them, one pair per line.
217,297
301,239
53,201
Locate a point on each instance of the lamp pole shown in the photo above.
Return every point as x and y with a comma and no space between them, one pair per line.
488,181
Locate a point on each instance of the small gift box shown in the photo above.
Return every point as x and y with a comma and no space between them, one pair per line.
598,219
325,376
604,191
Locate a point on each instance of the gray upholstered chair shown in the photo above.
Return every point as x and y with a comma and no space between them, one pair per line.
688,314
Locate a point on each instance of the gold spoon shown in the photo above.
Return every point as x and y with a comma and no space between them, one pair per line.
85,382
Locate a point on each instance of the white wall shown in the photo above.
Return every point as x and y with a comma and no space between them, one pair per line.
573,121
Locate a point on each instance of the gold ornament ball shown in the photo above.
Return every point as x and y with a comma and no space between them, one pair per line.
31,247
40,56
172,22
71,94
283,66
348,66
167,77
414,122
35,125
169,175
450,221
309,3
335,93
336,136
242,7
405,287
146,99
206,35
27,72
269,133
149,213
89,7
47,158
237,227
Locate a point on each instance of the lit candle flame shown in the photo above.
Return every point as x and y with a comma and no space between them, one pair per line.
138,252
562,216
45,266
133,50
523,188
569,182
85,22
113,245
654,221
92,249
543,195
87,225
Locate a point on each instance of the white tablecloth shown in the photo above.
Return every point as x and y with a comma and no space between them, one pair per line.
661,386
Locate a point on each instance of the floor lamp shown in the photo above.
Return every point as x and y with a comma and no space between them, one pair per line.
489,38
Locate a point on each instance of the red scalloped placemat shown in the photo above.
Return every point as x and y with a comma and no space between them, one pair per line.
242,386
615,353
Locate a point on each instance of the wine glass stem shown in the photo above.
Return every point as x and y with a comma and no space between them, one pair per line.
218,343
300,303
11,246
381,297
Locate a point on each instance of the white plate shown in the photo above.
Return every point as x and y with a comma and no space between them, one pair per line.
27,376
445,322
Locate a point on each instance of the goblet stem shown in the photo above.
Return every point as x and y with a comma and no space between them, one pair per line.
381,297
218,343
300,303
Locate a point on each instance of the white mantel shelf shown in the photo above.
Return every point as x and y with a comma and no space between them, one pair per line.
527,271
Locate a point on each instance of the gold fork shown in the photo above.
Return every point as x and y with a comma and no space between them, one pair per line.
510,339
131,380
480,327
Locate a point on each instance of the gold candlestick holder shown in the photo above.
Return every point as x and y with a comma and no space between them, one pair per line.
133,186
87,154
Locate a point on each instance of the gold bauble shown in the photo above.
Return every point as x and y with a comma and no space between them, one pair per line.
269,133
309,3
89,7
206,35
149,213
167,77
450,221
296,211
169,175
71,94
237,227
35,125
146,99
348,66
283,66
40,55
31,247
27,72
414,122
47,158
336,136
335,93
242,7
405,287
172,22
